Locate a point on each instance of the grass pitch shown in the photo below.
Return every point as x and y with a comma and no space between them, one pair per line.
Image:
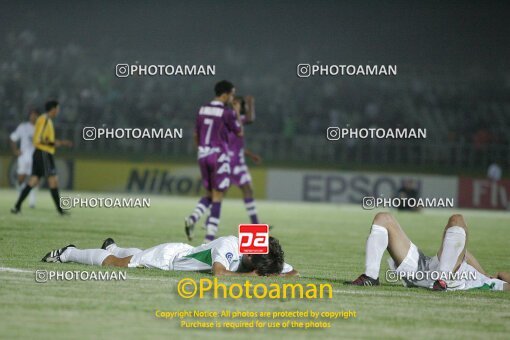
325,242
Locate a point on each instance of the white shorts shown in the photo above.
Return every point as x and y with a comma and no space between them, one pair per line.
160,257
24,164
410,263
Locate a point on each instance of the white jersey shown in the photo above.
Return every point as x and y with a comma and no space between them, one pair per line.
494,172
183,257
223,250
24,134
469,278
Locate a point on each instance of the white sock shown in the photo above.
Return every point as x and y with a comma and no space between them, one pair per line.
94,257
453,244
200,210
122,252
377,243
32,197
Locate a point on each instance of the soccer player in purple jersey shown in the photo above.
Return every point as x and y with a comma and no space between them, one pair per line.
213,124
240,176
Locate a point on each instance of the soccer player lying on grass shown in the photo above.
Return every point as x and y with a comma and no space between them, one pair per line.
453,268
221,257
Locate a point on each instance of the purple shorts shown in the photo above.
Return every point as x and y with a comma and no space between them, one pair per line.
215,171
240,174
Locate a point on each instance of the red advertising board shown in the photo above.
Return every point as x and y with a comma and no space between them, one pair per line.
484,193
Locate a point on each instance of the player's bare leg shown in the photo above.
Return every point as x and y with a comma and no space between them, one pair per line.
453,246
33,181
114,261
213,220
247,190
385,234
249,202
398,242
505,277
21,180
472,261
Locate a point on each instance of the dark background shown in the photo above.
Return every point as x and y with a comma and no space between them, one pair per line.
455,33
453,74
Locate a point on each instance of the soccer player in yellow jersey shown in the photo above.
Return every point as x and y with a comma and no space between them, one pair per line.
43,164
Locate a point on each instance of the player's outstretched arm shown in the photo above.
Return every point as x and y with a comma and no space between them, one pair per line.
472,261
505,277
219,270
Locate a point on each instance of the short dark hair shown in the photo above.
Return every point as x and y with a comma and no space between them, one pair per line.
50,105
222,87
270,263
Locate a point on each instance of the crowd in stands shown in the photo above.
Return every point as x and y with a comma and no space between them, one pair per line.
469,105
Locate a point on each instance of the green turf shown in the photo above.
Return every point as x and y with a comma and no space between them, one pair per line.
324,242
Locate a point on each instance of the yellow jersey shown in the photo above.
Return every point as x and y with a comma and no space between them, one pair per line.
44,134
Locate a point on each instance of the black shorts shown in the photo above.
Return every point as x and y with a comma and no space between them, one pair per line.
43,164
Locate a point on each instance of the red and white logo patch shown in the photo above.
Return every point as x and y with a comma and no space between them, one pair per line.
253,239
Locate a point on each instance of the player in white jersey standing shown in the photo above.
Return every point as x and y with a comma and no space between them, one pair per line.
23,135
